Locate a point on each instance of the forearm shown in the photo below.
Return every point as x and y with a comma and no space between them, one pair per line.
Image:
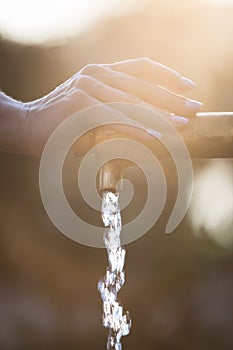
12,125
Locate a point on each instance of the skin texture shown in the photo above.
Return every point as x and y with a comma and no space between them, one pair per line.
26,127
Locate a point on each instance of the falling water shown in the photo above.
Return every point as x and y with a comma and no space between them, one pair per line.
119,324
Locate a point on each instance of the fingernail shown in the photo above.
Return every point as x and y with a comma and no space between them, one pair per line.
154,133
187,83
179,119
193,104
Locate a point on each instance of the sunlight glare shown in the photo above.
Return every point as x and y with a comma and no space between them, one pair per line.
211,209
34,21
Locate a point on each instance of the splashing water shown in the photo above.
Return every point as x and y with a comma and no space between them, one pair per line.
109,286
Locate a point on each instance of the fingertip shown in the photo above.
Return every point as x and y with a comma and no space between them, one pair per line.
154,133
187,83
194,105
179,119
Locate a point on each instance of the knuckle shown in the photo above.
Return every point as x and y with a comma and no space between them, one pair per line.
146,60
83,81
75,92
90,69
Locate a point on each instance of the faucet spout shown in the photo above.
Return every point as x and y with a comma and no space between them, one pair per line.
111,173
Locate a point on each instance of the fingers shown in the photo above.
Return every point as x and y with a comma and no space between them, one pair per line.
104,93
140,81
154,72
143,79
136,128
144,90
78,100
100,91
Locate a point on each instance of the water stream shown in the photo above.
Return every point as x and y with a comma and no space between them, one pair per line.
119,324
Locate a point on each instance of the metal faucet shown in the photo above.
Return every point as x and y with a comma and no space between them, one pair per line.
207,135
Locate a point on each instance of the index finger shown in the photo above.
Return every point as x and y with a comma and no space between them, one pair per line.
154,72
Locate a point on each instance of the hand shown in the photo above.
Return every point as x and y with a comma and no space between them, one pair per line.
141,81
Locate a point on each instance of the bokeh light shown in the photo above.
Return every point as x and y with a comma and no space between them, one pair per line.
37,21
212,205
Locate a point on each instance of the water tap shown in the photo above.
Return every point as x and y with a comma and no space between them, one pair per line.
112,172
208,135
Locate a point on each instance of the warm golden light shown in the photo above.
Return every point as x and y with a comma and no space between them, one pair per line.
212,205
37,21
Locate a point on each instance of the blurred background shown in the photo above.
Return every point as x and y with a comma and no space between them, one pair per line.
179,288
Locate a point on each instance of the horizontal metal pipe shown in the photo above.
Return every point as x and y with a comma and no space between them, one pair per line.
209,135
